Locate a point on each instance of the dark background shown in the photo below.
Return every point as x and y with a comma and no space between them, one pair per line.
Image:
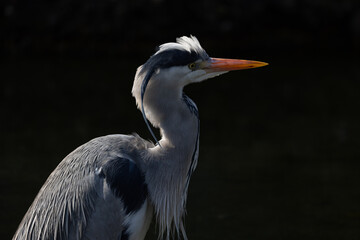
279,149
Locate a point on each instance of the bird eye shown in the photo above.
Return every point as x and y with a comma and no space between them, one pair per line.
192,66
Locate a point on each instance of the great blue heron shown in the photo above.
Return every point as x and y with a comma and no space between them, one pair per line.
110,187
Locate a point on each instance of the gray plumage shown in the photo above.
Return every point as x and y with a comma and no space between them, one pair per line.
75,202
110,187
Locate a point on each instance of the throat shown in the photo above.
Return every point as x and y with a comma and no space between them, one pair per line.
177,120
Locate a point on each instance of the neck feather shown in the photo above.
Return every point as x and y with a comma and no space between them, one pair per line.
170,166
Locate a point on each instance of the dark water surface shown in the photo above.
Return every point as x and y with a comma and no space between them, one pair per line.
279,148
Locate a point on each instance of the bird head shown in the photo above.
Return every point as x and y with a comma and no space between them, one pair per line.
177,64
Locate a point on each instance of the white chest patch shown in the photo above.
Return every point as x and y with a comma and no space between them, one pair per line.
138,222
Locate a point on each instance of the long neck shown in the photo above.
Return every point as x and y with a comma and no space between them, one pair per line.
173,113
179,127
171,164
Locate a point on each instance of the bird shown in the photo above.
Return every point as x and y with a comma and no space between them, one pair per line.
113,186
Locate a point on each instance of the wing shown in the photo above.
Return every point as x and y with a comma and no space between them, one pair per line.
88,194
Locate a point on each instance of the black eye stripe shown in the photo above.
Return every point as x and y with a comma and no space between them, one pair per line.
171,58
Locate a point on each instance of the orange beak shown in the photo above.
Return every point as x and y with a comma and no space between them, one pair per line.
224,65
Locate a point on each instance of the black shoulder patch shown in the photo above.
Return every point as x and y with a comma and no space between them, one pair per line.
124,235
127,182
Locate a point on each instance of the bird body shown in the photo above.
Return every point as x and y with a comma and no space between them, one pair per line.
110,187
92,199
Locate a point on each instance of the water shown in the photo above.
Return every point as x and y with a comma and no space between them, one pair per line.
279,150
